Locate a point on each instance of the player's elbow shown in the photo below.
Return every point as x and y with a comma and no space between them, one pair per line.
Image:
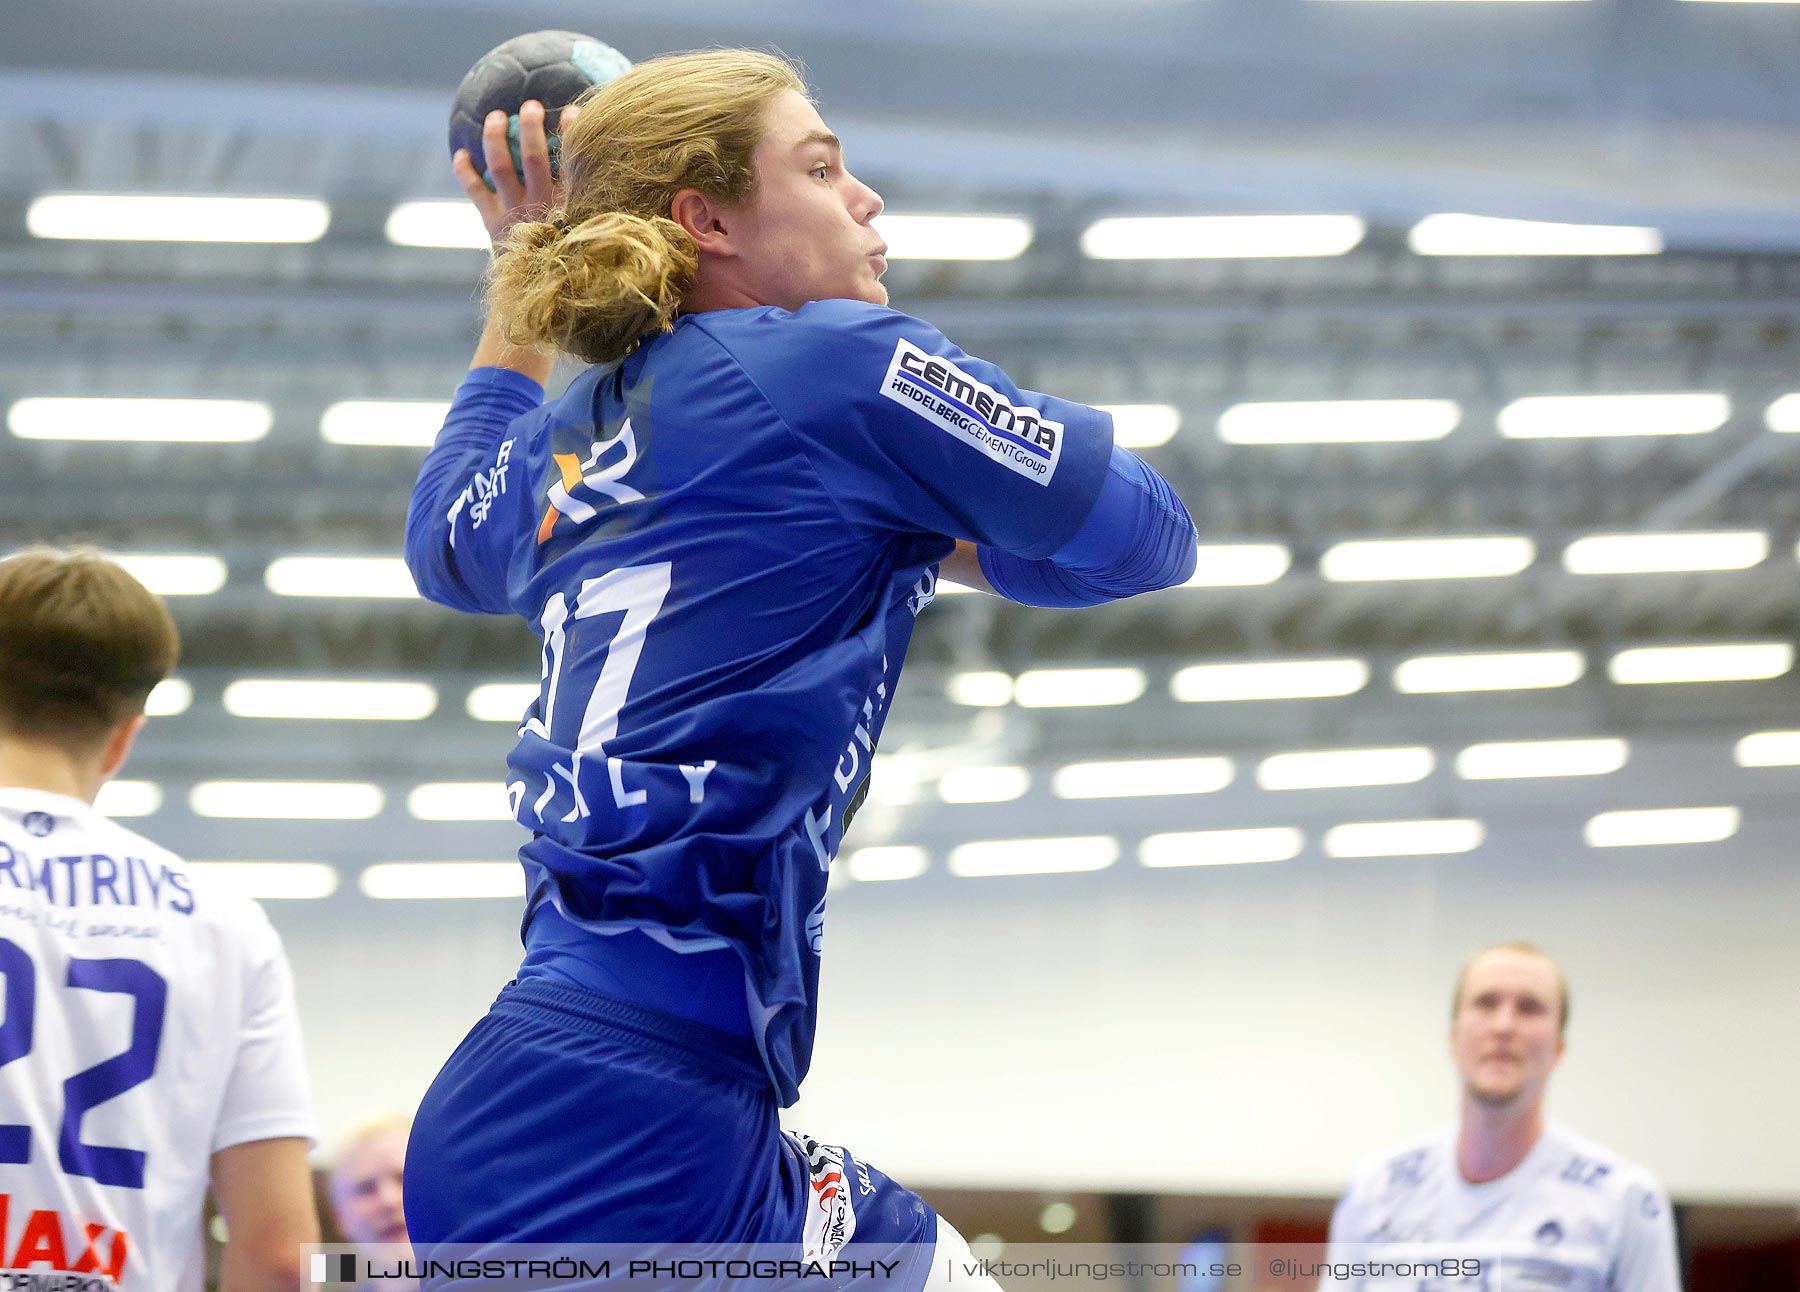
1184,558
1161,553
426,542
1138,538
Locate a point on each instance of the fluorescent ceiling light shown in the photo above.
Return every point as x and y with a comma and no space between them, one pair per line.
1142,426
1065,688
954,237
1746,662
184,421
460,801
1033,856
882,865
1339,421
1295,679
339,576
1343,768
1768,749
345,701
287,800
174,576
1539,417
270,880
983,784
1662,826
454,224
1220,237
129,798
1239,565
1784,414
980,690
404,423
424,879
1511,671
171,696
1369,560
896,779
1483,235
1131,778
1665,553
145,217
1221,847
1517,759
502,701
1404,838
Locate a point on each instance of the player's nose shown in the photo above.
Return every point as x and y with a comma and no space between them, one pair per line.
864,202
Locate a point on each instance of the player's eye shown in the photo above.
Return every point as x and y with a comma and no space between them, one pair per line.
822,170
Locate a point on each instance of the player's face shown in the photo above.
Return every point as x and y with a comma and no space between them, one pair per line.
1505,1037
366,1196
805,233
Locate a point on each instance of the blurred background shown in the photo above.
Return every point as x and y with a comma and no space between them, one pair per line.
1485,394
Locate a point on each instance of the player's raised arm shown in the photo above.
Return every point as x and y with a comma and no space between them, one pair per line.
464,474
514,197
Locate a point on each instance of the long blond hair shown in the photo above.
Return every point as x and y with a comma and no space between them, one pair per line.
609,267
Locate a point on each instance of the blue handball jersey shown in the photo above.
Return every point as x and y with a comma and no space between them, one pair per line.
722,543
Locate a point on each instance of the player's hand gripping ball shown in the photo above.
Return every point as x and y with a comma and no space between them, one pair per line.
553,67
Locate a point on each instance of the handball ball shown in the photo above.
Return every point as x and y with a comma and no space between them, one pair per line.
553,67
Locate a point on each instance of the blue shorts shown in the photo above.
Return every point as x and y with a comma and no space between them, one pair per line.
566,1116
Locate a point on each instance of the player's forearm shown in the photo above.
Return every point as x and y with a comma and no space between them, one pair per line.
264,1192
242,1269
1138,538
494,351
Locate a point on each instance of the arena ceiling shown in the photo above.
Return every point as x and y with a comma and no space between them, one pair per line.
1662,113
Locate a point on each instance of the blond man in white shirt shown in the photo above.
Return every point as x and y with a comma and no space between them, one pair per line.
1505,1186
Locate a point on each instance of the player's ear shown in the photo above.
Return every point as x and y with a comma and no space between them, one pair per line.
703,219
118,745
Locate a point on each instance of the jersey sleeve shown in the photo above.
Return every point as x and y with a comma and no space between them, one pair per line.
1647,1260
908,433
265,1095
458,535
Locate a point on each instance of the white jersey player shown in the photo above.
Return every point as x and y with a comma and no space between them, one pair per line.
1572,1216
149,1041
1504,1199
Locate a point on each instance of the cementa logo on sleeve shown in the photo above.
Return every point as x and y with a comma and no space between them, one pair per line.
1018,438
